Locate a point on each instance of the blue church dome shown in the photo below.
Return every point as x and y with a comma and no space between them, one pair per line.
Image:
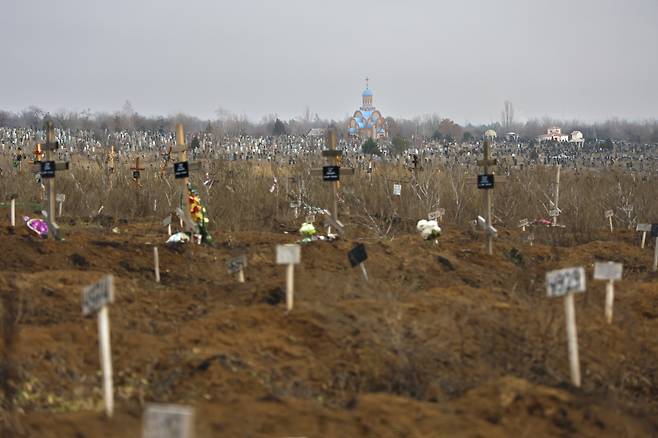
367,92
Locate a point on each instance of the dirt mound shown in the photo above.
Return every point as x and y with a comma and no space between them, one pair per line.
443,339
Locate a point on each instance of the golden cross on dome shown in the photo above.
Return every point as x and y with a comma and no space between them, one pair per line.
367,79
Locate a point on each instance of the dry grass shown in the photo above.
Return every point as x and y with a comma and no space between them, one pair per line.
240,198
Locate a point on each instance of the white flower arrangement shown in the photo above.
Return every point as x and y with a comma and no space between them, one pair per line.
428,229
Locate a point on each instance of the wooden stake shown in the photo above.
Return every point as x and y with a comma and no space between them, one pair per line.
644,238
156,264
13,213
572,338
290,285
610,218
557,193
241,276
655,256
609,299
363,270
106,359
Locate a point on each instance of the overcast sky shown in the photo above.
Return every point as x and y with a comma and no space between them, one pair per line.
585,59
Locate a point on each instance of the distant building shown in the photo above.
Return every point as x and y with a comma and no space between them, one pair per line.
555,134
367,121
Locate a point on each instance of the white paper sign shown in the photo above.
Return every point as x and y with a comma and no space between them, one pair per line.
288,254
166,221
97,295
564,281
609,213
60,197
608,271
397,189
168,421
644,227
524,223
554,213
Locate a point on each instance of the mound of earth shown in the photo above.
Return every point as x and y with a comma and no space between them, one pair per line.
443,340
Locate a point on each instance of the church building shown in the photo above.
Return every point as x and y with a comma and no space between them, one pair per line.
367,121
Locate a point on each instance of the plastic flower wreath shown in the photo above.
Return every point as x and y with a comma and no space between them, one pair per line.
198,213
307,231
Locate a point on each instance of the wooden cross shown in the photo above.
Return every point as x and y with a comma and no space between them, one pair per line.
48,169
486,182
333,171
110,159
136,169
165,161
181,171
38,153
556,210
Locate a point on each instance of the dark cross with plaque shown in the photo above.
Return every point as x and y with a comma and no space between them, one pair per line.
333,171
487,182
136,172
47,169
182,171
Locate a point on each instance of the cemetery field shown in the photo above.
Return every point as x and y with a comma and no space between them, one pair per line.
443,340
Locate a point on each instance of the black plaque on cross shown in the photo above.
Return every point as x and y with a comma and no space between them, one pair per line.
330,173
486,181
47,169
181,170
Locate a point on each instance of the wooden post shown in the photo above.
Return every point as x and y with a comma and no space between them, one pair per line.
156,264
95,298
655,256
572,338
12,214
557,194
290,286
609,299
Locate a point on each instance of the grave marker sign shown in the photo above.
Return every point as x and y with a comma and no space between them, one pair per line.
609,272
566,282
644,228
357,256
289,255
168,421
95,298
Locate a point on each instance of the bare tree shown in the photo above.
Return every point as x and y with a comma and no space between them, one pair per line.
508,115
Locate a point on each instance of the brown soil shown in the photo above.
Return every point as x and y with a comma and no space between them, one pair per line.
443,341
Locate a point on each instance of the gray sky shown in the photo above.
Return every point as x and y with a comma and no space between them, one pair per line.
585,59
